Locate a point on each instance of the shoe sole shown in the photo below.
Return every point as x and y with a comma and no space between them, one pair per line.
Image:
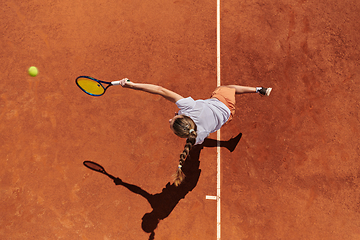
268,91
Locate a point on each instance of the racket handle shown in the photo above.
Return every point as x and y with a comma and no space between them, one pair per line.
115,82
118,82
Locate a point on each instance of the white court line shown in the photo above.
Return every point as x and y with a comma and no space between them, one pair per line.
211,197
218,189
218,179
218,83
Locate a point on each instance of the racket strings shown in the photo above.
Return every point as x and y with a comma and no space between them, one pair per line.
90,86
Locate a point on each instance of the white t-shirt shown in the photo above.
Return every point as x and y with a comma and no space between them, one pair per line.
209,115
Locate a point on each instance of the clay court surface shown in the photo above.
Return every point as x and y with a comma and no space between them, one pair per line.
294,174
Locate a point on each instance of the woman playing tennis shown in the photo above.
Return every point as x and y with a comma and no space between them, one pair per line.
197,119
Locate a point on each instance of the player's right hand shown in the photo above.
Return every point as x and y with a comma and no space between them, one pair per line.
125,82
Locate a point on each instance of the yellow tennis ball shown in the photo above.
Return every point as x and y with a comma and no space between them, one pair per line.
33,71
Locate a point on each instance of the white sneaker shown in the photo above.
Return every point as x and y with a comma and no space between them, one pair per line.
265,91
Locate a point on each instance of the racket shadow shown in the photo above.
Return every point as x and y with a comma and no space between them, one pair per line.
164,202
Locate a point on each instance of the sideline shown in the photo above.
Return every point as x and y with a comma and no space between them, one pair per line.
218,179
218,169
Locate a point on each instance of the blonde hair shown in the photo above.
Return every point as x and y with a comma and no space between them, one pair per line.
186,128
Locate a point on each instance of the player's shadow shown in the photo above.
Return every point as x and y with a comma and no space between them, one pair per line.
164,202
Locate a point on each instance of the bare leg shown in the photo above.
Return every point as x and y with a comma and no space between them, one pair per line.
242,89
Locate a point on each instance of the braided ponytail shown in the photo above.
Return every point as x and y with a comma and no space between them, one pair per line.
184,127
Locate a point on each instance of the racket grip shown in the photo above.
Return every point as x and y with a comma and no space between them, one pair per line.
118,82
115,82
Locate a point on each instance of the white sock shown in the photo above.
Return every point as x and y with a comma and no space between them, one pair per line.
258,89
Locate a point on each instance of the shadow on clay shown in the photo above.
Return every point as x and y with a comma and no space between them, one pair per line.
164,202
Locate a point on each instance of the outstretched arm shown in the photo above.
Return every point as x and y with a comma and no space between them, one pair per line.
153,89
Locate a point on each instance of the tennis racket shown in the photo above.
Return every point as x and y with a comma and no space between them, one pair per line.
98,168
93,86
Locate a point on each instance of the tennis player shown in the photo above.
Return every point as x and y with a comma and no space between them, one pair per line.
197,119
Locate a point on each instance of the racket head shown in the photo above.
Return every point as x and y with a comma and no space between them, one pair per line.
91,86
94,166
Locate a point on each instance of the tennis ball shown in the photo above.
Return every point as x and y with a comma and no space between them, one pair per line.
33,71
